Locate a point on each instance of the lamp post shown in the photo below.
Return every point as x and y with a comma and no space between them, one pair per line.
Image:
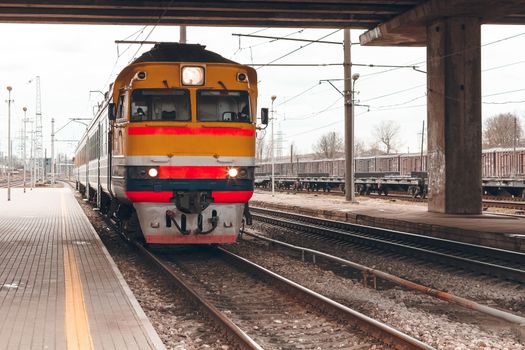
24,146
9,88
273,157
32,157
350,194
52,151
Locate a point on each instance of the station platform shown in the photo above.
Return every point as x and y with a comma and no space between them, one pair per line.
59,287
499,231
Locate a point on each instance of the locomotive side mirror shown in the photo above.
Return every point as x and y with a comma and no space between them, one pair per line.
111,112
264,116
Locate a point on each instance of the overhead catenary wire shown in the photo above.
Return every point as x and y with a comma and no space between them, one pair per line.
503,92
369,75
298,95
119,54
377,108
240,48
420,62
299,48
411,66
259,31
390,107
397,106
405,104
504,102
315,114
277,38
294,64
152,29
322,127
503,66
137,33
394,93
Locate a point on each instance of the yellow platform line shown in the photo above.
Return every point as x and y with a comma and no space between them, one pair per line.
78,335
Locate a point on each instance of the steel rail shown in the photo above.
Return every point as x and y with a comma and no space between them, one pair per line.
379,330
446,296
378,237
514,256
222,321
227,325
505,203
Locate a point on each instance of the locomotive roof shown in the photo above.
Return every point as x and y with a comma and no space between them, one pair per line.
175,52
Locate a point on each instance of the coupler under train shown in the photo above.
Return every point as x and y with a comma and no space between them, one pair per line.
191,218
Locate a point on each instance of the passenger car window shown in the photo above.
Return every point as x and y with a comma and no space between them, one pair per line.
120,111
223,106
160,105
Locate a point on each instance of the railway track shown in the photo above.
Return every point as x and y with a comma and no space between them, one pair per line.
15,183
480,259
488,201
259,309
334,258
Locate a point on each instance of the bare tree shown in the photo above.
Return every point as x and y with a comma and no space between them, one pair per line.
359,148
502,130
267,151
260,145
386,134
373,150
329,145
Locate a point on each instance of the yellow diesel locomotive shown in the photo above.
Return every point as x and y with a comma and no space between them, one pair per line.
172,148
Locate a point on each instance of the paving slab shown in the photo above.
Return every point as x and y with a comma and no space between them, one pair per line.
504,232
59,287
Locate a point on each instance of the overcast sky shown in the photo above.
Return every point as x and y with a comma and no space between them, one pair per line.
72,60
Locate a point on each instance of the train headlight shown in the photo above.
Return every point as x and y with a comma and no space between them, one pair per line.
233,172
193,75
242,77
152,172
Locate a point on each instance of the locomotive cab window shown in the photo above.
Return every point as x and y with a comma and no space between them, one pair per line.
223,106
160,105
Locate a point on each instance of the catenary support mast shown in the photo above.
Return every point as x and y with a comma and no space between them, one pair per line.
349,119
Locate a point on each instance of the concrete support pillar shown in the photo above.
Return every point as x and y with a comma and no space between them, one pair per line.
454,115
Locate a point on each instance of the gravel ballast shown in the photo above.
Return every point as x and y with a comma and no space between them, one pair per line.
432,321
177,322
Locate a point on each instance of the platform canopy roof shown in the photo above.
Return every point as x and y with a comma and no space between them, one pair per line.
391,22
279,13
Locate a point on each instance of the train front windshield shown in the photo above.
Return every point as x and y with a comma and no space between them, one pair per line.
223,106
160,105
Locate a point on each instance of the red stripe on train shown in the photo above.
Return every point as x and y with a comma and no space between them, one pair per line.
149,196
190,239
170,130
232,197
193,172
164,197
